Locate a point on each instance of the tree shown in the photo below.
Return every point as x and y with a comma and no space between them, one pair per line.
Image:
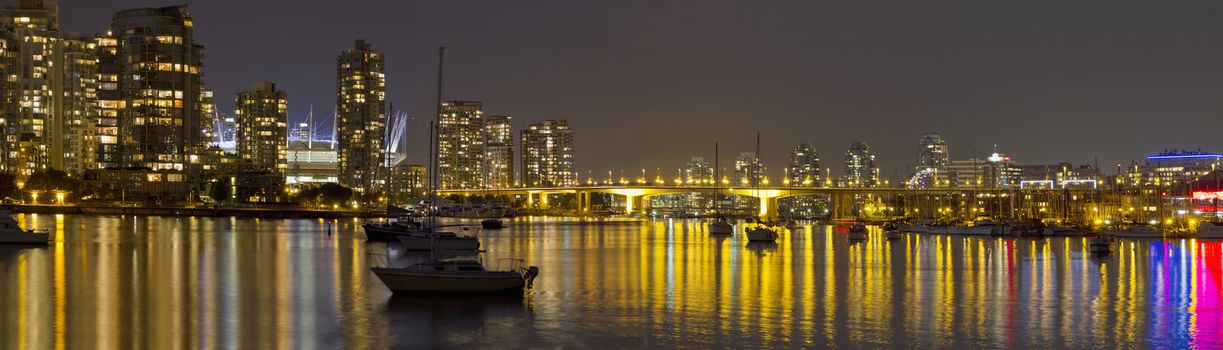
52,181
8,185
334,194
218,191
328,194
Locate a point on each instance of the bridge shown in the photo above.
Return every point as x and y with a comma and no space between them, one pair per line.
635,196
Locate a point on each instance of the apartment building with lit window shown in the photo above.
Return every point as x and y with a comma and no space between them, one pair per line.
262,120
460,145
360,110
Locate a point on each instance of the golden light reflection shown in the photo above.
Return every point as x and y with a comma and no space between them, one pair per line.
138,282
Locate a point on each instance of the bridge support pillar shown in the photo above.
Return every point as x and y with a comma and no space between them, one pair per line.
768,208
842,206
633,204
584,202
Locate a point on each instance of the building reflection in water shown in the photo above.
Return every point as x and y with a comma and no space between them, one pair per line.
161,282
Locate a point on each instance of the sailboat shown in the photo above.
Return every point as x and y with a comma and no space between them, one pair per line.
456,276
719,226
762,232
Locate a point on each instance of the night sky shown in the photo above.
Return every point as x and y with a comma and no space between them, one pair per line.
648,84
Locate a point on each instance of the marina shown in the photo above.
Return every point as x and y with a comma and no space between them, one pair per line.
233,282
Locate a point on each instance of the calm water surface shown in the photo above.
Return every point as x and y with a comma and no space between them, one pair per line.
161,283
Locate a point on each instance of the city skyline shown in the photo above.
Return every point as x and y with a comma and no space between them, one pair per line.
837,77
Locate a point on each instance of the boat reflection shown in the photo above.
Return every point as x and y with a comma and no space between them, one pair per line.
163,282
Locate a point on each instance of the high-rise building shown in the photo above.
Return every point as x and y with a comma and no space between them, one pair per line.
932,161
860,169
262,117
360,109
499,152
77,149
698,172
748,170
161,120
31,115
547,155
804,168
460,145
109,154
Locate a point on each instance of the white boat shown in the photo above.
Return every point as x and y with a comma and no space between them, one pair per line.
980,228
425,240
457,277
925,226
761,234
12,233
1055,230
721,227
1135,231
857,232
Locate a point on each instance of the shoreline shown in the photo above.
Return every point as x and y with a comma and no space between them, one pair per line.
270,213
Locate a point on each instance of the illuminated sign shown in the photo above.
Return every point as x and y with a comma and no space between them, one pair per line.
1207,194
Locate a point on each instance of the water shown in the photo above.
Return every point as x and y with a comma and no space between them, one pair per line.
160,283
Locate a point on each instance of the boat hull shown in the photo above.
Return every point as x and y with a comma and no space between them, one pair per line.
1135,233
761,235
423,242
407,281
1209,230
24,238
721,228
492,224
381,234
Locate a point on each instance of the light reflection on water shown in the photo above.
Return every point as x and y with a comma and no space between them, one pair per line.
151,282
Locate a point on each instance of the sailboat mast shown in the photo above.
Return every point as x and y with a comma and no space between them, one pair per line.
441,59
717,183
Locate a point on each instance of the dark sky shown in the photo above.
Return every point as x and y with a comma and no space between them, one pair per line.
648,84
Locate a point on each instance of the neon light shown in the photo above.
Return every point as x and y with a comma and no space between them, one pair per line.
1026,183
1093,182
1207,194
1184,156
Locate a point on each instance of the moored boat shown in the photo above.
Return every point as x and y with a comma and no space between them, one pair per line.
761,234
492,224
457,277
1209,230
857,232
12,233
721,227
1135,231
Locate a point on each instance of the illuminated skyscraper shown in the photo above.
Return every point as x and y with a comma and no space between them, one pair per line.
698,172
860,170
804,168
161,119
262,119
932,161
499,152
460,145
360,109
547,155
748,170
109,102
76,149
31,115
